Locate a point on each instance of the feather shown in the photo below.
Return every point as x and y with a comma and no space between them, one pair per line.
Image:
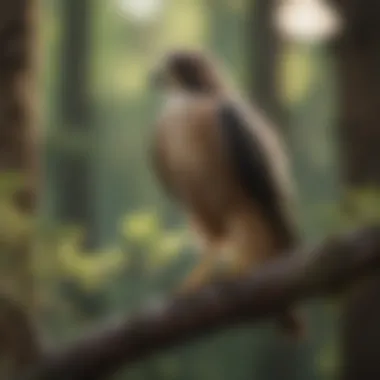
253,170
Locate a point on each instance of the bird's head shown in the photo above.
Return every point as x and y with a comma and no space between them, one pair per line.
188,71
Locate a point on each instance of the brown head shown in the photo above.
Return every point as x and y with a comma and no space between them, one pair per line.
190,71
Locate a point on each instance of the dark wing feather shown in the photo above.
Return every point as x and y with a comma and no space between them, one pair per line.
253,172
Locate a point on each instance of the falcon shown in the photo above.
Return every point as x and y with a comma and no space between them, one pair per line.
226,166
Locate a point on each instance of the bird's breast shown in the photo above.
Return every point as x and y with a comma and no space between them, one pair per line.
183,144
194,157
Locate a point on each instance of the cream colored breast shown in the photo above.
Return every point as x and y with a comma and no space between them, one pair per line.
181,142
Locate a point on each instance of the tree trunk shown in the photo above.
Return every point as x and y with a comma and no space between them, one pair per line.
357,55
75,200
358,59
18,177
263,55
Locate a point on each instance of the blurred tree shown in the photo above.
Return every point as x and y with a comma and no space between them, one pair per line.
358,74
357,57
74,140
226,36
73,166
18,176
17,137
263,52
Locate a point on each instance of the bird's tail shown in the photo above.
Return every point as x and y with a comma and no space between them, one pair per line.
292,324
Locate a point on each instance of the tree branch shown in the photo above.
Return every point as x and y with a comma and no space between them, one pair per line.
324,270
19,343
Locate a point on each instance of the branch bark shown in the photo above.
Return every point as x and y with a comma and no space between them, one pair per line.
18,144
324,270
19,342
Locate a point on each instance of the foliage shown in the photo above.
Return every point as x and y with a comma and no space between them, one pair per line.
145,229
16,228
61,255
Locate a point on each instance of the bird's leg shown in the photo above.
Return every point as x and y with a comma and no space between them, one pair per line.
209,244
201,274
240,264
218,263
248,245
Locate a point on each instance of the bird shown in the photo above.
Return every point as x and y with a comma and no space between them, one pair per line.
223,162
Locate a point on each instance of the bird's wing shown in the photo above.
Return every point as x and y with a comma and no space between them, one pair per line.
252,169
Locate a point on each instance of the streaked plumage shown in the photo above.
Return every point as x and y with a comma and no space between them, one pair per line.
225,165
